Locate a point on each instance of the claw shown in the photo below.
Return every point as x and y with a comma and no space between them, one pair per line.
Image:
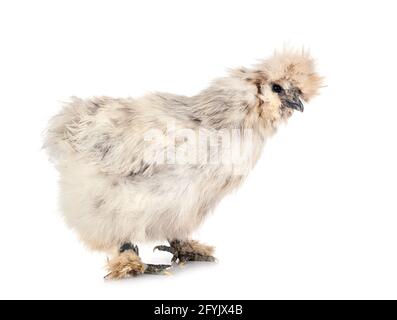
181,255
171,250
157,269
164,248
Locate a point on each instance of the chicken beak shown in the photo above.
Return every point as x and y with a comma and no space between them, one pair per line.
295,104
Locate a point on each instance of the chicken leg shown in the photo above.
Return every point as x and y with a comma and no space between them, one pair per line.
128,264
188,250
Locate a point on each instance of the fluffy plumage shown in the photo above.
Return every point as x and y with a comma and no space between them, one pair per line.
111,193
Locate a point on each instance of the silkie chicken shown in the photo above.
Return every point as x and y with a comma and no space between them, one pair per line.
128,177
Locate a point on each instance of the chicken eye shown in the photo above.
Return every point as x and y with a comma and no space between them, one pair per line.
277,88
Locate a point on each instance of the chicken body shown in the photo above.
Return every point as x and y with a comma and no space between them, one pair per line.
111,193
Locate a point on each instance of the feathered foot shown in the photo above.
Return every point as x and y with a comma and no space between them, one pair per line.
129,264
189,250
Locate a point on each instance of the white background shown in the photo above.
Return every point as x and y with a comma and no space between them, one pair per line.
317,217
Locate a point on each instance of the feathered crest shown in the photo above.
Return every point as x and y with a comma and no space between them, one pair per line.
295,66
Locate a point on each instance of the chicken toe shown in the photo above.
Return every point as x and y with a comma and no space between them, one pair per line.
188,250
